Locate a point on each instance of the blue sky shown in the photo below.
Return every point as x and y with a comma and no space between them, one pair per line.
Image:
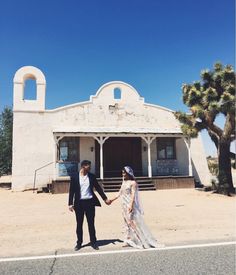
154,45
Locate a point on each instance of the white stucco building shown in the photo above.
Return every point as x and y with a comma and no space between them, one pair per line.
112,129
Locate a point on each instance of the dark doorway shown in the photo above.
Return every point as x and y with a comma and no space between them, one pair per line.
117,153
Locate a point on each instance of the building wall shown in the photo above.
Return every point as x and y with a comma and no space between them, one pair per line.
33,127
182,156
86,143
199,161
33,147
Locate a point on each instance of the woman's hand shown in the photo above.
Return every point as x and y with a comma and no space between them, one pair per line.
130,209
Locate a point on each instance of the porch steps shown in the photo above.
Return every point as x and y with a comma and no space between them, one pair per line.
114,184
45,188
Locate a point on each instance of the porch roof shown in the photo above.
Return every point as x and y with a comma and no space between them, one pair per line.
116,130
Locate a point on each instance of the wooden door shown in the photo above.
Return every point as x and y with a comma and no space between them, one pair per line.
117,153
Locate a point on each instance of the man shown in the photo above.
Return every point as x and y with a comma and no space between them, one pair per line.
82,200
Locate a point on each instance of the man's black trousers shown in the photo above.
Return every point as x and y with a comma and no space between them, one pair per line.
87,208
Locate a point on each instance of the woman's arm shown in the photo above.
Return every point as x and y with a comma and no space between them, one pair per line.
117,196
133,190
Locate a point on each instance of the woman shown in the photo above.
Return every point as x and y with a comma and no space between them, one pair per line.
137,234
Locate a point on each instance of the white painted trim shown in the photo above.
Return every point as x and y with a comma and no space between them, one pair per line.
149,139
29,72
82,103
158,107
117,82
101,140
105,134
92,97
68,106
56,109
190,168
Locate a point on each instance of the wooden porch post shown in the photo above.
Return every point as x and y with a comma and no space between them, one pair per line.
149,140
101,140
190,168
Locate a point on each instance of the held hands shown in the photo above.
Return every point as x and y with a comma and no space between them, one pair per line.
108,202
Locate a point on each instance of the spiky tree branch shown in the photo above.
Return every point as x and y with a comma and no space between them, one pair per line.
214,94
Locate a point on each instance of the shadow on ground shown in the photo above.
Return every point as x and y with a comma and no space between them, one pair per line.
105,242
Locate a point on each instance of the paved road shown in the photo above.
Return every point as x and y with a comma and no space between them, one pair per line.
207,260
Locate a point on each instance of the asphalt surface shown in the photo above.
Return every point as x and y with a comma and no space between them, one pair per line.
192,260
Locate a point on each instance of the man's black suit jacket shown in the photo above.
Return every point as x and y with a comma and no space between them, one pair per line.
74,191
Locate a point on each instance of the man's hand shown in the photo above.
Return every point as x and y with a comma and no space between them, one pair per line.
108,202
71,208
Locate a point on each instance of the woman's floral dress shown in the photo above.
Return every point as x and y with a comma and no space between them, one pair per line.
137,233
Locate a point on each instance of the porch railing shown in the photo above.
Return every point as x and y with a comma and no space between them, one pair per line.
35,173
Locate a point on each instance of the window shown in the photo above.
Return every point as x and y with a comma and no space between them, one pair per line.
166,148
117,93
30,89
69,149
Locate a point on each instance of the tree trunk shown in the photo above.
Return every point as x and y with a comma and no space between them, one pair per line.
225,175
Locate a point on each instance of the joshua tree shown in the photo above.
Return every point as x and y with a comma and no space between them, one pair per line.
6,118
208,98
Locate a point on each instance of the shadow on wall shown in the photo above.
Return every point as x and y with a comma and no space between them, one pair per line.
197,181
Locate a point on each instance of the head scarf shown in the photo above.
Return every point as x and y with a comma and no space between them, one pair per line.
129,171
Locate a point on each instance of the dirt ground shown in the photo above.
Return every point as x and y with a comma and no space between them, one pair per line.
37,224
